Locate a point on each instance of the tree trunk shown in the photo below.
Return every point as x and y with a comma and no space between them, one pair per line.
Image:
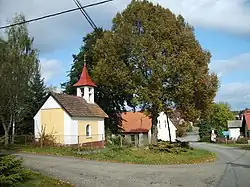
154,128
13,132
6,130
6,138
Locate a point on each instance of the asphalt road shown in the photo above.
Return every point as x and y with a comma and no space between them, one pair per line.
231,170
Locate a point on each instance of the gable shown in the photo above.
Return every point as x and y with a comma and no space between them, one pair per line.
50,103
162,118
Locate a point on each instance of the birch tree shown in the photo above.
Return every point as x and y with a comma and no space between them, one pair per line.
17,65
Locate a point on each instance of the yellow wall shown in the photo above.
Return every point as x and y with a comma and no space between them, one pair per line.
53,121
82,131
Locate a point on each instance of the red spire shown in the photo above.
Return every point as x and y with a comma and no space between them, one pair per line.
85,80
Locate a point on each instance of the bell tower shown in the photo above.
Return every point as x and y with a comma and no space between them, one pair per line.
85,86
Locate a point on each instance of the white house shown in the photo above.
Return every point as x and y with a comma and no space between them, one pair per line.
163,133
234,128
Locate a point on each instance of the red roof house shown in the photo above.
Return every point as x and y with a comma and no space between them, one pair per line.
135,122
246,124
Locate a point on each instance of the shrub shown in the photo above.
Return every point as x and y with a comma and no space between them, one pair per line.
117,140
176,147
189,128
181,131
242,141
12,172
204,129
205,139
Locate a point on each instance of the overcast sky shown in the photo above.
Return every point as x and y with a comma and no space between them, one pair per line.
221,26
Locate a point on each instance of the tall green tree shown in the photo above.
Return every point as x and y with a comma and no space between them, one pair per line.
218,115
153,54
33,101
110,97
17,65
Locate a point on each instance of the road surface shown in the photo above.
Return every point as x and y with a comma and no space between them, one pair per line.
232,169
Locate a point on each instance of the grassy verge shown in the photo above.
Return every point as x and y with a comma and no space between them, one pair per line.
39,180
241,146
130,155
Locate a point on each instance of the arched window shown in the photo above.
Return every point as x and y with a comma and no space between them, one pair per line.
88,130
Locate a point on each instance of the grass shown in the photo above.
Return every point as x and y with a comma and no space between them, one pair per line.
241,146
130,155
142,156
39,180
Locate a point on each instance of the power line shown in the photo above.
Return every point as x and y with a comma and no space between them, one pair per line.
56,14
85,14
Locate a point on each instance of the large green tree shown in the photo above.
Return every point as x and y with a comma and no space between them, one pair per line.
110,97
150,58
17,65
153,54
216,118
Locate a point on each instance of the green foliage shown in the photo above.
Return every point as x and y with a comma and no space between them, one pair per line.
217,117
181,131
171,148
18,57
39,180
108,94
220,114
136,64
205,128
242,141
117,141
12,172
132,155
128,65
33,101
205,139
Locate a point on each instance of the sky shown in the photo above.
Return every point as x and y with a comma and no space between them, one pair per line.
221,26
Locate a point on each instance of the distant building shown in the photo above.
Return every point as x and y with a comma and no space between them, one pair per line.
235,129
136,128
240,127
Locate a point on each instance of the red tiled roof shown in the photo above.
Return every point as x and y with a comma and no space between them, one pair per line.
247,118
85,80
135,122
77,106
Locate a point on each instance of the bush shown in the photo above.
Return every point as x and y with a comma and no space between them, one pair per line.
117,140
12,173
242,141
181,131
204,129
189,128
205,139
171,148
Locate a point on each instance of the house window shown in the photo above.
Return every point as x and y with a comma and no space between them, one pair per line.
159,124
88,130
165,122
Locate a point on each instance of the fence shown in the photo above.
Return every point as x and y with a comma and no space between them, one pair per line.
97,140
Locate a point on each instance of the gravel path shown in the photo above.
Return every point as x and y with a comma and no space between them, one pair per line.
231,170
